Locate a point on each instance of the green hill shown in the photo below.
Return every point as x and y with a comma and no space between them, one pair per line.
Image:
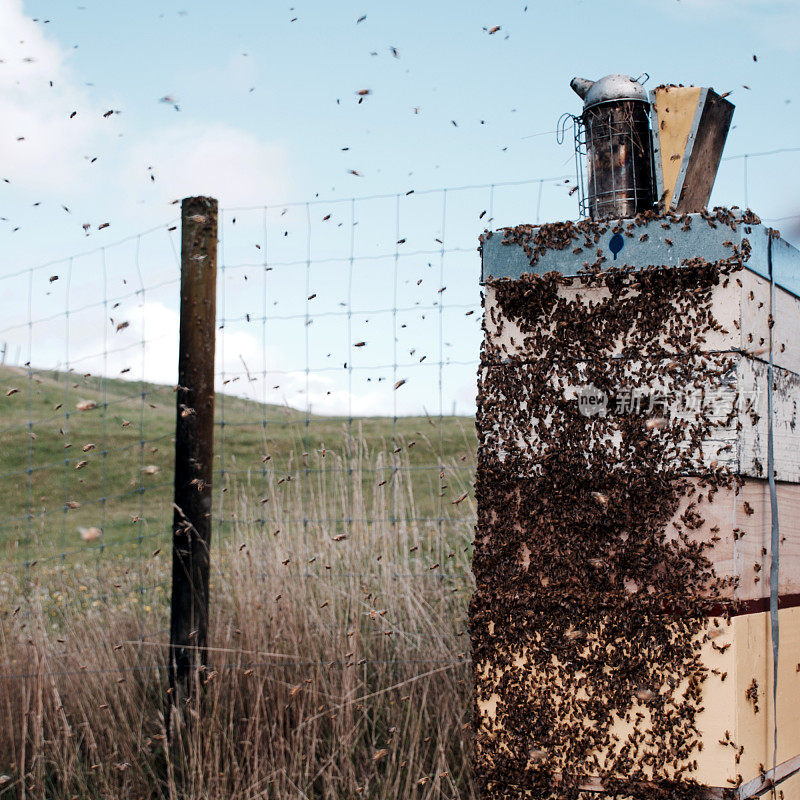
110,466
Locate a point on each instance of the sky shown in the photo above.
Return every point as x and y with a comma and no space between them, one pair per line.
258,105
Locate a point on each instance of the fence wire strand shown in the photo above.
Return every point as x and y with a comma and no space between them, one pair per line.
347,341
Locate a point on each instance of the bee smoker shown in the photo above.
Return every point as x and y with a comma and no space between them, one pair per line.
613,135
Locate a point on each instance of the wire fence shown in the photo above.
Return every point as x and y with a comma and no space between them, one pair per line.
81,430
347,342
346,351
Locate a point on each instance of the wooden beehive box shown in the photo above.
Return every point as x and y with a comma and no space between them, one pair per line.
620,624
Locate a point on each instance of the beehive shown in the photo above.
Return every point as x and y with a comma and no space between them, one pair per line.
620,623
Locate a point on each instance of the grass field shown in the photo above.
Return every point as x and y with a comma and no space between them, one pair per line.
339,664
110,466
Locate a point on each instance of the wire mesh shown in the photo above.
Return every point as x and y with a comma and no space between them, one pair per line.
346,353
348,335
347,344
86,425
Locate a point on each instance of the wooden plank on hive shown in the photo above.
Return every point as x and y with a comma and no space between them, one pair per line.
705,154
753,652
741,306
788,783
737,739
738,525
735,402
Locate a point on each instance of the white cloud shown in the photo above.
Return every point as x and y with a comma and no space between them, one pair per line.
96,347
321,394
40,146
218,160
237,354
43,150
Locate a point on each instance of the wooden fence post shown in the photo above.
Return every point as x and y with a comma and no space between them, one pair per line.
194,446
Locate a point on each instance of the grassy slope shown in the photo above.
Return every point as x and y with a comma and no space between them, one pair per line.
133,426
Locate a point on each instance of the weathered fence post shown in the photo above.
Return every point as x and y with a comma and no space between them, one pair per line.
194,446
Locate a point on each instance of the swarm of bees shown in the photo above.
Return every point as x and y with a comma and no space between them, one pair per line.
591,603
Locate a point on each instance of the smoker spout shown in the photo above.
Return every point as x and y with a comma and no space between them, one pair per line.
581,86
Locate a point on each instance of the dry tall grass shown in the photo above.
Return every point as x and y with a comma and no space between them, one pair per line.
338,666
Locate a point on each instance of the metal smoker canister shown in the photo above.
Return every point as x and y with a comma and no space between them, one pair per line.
619,153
